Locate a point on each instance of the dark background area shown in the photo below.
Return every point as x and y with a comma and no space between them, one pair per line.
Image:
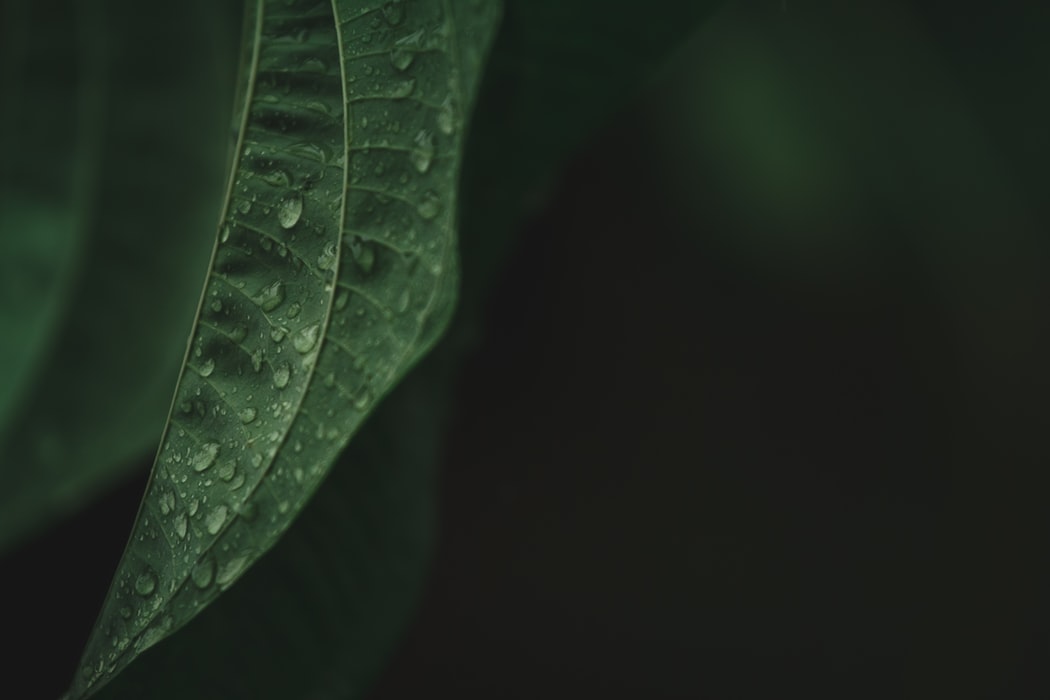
742,426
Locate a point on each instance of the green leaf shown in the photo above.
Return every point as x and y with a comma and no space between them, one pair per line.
333,272
137,217
317,616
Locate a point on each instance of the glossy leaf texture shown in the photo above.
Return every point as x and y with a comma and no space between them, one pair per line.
333,272
114,157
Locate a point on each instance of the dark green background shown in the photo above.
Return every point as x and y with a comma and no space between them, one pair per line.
760,406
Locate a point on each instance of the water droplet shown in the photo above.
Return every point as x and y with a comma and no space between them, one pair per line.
403,301
277,333
207,368
277,178
271,296
446,118
247,415
326,260
206,457
423,153
342,299
313,65
430,206
167,502
238,333
310,151
125,612
224,233
230,570
203,573
403,88
216,306
394,12
401,58
257,358
294,309
244,206
226,470
153,634
194,505
305,340
363,254
289,211
146,583
362,400
281,375
181,525
215,520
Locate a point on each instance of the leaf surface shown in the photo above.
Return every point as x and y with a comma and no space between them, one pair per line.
333,272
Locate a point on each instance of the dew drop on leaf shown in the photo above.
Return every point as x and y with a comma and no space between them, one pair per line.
445,118
403,88
226,470
207,368
277,178
203,573
146,583
230,569
281,375
363,254
167,502
423,153
362,400
153,634
394,12
181,525
206,457
313,65
430,206
305,340
215,520
326,260
401,58
289,211
270,297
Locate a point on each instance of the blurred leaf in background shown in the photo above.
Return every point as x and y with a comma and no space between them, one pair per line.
143,182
